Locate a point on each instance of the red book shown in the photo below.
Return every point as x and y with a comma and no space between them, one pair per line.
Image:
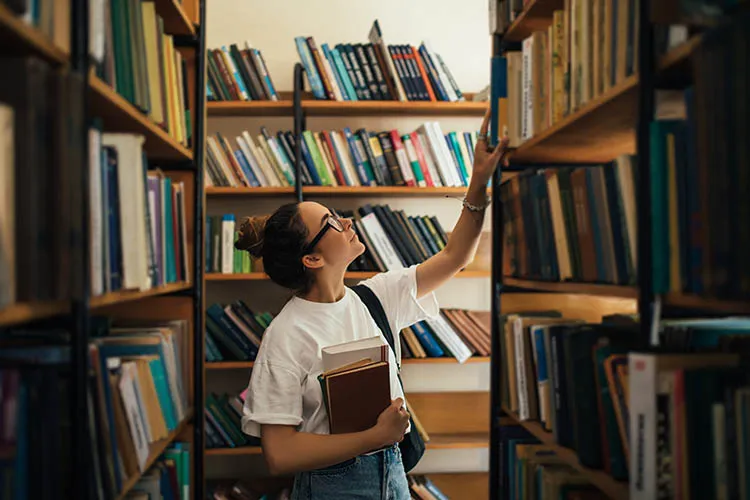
337,168
418,58
422,161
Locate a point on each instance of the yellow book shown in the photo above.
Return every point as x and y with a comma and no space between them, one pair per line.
167,84
156,111
327,159
538,85
180,97
172,90
608,39
558,68
271,159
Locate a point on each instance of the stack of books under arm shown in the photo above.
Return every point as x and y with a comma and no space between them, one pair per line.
376,71
236,74
138,218
168,478
426,157
572,223
454,333
224,422
140,62
234,332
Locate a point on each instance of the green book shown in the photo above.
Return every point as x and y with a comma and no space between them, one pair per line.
317,158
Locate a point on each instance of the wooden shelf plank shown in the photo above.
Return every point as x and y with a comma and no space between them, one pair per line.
601,129
611,487
156,449
347,108
359,275
536,16
119,115
176,21
122,296
17,37
24,312
240,450
246,365
568,287
457,441
338,191
689,301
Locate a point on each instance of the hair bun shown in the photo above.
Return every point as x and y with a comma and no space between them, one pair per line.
252,233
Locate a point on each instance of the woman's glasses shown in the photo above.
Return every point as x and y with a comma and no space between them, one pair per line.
333,221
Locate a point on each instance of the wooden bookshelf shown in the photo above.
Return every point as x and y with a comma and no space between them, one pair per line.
119,115
359,275
537,15
612,488
23,312
156,449
311,191
690,301
176,21
458,441
122,296
19,38
601,129
246,365
627,292
284,107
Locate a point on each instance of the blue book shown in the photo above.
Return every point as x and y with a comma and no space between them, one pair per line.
216,313
209,93
364,177
428,342
345,76
498,90
245,166
236,75
20,478
168,231
469,146
335,71
458,160
310,164
113,216
316,85
162,391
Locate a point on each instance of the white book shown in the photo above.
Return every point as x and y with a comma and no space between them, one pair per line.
227,244
96,29
449,337
373,348
587,51
383,245
523,402
7,208
136,423
281,158
215,150
251,161
272,161
346,157
429,158
449,164
96,217
465,155
527,93
131,190
331,77
268,171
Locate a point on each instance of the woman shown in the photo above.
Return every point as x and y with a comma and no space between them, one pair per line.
307,248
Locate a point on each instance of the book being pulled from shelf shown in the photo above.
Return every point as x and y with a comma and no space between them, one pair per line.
41,169
572,223
138,221
236,74
234,331
424,157
224,422
168,478
35,392
140,375
589,48
139,60
454,333
376,71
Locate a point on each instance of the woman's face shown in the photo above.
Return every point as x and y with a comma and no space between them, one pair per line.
337,249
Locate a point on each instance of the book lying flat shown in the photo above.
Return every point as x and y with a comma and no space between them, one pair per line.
372,348
356,394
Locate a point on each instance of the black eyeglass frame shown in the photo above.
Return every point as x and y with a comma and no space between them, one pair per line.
333,221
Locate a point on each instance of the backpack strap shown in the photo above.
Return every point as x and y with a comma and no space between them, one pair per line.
373,304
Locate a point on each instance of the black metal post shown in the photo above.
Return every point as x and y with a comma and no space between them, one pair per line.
645,116
80,284
198,264
299,127
496,477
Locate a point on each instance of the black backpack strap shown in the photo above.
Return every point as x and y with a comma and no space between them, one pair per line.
373,304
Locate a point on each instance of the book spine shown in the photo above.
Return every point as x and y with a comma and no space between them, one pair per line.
354,79
235,74
377,71
268,86
344,74
316,85
367,71
318,60
358,160
365,93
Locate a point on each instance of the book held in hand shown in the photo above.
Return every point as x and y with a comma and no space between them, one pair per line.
372,348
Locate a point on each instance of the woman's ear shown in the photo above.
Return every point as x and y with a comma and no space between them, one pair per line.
312,261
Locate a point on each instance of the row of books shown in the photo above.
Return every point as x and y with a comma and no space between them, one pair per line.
138,223
454,333
35,387
630,413
168,478
424,157
572,223
421,488
221,256
224,422
376,71
138,59
699,186
236,74
50,17
589,48
40,179
234,331
535,470
140,379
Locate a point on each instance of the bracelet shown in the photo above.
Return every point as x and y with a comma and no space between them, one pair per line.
477,208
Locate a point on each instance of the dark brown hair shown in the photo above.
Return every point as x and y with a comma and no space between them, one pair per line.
279,239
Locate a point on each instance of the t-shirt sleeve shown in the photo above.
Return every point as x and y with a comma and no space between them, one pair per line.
397,291
274,396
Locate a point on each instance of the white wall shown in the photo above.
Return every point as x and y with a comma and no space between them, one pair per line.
459,32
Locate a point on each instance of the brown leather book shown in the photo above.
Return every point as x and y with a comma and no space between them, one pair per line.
477,332
318,60
585,235
356,397
464,330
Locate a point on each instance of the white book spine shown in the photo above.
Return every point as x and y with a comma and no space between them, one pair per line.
527,121
95,212
429,158
96,29
221,160
227,244
331,77
285,166
138,425
642,370
268,172
271,159
252,161
444,80
450,338
449,164
523,402
346,158
382,244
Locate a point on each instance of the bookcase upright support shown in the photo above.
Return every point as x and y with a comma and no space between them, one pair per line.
299,126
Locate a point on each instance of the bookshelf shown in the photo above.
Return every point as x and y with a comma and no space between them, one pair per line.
243,365
359,275
93,108
619,120
340,191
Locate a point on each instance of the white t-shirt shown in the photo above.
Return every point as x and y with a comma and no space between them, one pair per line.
284,387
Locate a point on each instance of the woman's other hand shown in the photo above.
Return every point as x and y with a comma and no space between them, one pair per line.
392,423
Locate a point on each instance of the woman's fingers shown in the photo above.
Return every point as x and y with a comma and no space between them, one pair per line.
485,123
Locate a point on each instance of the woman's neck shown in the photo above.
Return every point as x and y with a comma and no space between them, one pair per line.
328,287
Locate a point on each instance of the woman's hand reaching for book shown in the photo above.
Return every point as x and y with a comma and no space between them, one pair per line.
486,158
392,423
